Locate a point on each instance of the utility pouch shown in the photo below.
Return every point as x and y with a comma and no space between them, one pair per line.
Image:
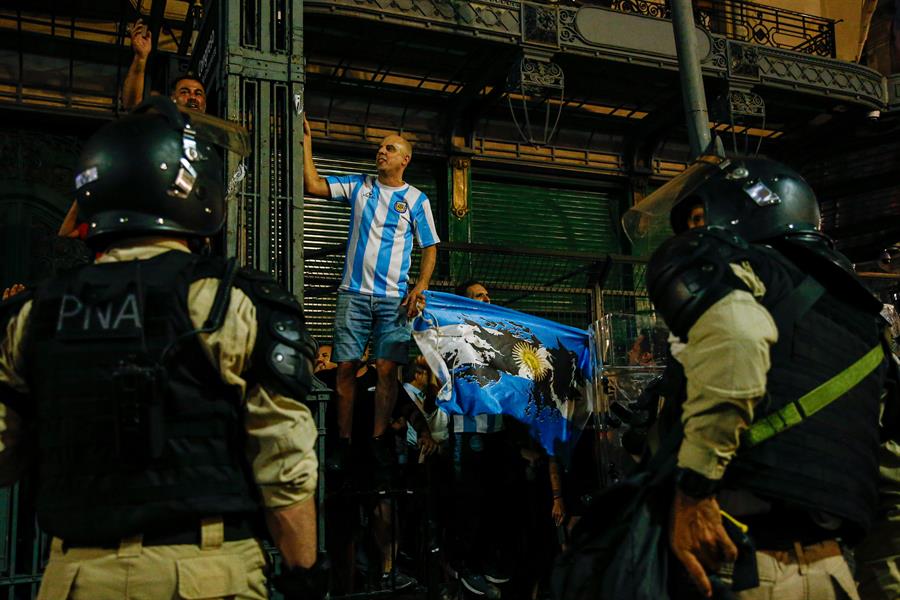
742,574
140,423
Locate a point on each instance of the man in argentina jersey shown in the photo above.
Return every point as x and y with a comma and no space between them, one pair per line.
374,301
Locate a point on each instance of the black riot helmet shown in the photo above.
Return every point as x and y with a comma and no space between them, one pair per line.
156,171
756,198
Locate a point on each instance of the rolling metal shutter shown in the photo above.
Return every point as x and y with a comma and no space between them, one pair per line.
543,214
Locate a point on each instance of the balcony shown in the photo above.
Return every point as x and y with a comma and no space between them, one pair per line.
750,22
740,41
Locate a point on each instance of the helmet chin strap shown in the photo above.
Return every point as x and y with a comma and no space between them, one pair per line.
187,174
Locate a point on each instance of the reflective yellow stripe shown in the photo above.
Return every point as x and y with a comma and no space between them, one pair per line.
814,401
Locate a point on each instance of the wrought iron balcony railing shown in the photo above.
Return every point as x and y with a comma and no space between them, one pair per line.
750,22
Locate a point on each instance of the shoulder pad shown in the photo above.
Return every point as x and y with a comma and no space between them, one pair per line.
284,353
691,272
261,286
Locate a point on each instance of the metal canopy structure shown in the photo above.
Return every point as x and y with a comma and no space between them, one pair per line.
448,85
72,56
440,72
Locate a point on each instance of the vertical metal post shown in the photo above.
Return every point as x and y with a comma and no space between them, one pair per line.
322,398
260,59
258,51
296,109
691,76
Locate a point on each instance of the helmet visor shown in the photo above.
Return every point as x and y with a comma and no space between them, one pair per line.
219,132
647,223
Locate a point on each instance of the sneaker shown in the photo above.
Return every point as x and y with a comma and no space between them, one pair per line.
397,580
495,574
475,583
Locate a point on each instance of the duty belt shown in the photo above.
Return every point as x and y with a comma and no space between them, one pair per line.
185,531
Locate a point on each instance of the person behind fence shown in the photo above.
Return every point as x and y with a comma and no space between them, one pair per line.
418,389
373,298
785,365
483,473
426,449
186,89
156,395
323,359
375,485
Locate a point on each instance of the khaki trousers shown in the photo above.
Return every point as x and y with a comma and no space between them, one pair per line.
214,569
817,572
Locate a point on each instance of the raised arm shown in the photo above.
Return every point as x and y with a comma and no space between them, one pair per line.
133,87
312,183
69,227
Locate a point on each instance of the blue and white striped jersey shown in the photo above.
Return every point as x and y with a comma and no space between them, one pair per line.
383,221
477,423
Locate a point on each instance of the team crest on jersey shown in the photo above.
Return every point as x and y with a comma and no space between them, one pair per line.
400,206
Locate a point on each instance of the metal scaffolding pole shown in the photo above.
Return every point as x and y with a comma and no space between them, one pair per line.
249,53
691,76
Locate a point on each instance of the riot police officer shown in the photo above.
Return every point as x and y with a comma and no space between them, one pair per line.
784,360
156,395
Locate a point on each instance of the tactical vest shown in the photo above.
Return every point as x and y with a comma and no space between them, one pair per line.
128,444
827,463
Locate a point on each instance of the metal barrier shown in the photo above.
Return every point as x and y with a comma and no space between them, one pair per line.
561,286
23,547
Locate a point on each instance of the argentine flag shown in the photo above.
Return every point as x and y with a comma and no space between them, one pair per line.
494,360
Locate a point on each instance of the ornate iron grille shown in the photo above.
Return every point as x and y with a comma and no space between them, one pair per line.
750,22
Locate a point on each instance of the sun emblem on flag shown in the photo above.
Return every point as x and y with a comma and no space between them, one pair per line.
533,362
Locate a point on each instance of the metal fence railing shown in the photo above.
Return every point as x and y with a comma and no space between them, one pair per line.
574,288
751,22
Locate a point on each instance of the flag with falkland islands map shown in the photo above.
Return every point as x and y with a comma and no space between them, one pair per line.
494,360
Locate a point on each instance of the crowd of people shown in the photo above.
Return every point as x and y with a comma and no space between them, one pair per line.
501,497
468,504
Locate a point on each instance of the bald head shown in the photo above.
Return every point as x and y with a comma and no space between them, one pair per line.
392,158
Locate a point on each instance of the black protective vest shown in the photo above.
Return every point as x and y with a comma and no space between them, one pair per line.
828,463
127,445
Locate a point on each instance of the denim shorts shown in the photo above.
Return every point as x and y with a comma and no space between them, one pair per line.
360,317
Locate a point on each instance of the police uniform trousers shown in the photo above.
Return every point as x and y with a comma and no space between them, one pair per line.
132,571
814,572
